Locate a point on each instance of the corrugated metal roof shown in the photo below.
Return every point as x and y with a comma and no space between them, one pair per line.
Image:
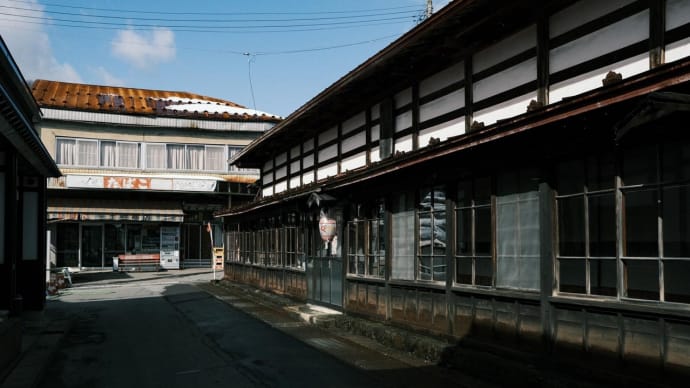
133,101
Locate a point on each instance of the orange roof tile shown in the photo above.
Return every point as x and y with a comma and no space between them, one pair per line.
110,99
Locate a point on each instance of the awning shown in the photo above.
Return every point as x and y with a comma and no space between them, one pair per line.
64,209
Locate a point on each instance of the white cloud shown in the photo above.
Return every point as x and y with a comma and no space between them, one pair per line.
30,45
144,49
106,78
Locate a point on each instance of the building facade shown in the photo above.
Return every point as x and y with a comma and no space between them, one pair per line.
514,171
142,173
24,166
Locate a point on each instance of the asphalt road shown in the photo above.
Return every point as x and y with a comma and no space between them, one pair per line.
172,333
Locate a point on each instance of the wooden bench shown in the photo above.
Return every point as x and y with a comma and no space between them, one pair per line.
139,262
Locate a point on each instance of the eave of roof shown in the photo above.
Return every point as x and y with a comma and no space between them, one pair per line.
657,79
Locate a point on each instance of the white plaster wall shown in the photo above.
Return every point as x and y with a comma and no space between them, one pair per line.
403,98
353,122
294,182
281,172
357,140
442,131
328,152
267,178
592,79
375,155
505,110
500,82
308,161
677,13
281,158
624,33
308,178
442,105
450,75
308,145
295,152
267,191
375,132
354,161
328,135
678,50
280,187
580,13
403,121
326,171
294,167
505,49
267,166
376,111
403,144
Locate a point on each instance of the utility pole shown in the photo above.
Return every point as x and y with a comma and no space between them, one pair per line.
429,9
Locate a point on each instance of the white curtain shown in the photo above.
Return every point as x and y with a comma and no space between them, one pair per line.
87,152
108,154
215,158
66,152
196,158
176,157
128,155
155,156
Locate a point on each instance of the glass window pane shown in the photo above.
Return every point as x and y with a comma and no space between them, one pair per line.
215,158
196,158
463,240
482,231
464,271
677,281
403,237
571,226
464,195
87,152
641,224
67,245
602,225
676,162
439,268
176,156
676,204
485,271
439,223
642,279
602,274
155,156
572,276
128,155
108,154
66,152
482,191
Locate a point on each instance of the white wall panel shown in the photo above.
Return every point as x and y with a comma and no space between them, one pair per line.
326,171
403,121
375,132
268,166
677,13
580,13
376,111
505,110
592,80
500,82
403,144
328,135
353,123
450,75
308,178
308,145
505,49
354,162
442,105
677,50
281,172
281,159
294,167
294,182
374,155
357,140
624,33
267,178
328,152
403,98
295,152
442,131
308,161
280,187
267,191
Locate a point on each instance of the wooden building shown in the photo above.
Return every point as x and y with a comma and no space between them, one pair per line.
24,166
515,171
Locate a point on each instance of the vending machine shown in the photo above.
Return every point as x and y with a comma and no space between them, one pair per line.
170,247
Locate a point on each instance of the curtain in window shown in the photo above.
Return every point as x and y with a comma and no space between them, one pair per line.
215,158
175,157
108,154
403,230
128,155
87,152
155,156
66,152
195,157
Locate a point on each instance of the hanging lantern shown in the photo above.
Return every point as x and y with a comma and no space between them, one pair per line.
327,228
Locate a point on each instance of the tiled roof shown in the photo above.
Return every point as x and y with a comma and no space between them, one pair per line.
123,100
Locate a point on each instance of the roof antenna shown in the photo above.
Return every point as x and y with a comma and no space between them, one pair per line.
251,59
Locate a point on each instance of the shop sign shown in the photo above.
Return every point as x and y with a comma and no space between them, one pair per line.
327,228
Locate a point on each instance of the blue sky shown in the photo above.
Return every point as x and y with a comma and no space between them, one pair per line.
270,55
